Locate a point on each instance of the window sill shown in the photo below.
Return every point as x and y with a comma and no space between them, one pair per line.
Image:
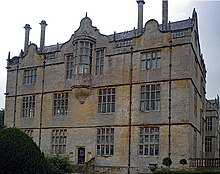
30,84
150,111
142,156
27,117
106,113
105,156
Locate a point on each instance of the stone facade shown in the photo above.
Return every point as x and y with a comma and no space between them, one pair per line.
101,96
212,129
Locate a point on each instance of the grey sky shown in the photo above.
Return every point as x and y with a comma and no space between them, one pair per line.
63,18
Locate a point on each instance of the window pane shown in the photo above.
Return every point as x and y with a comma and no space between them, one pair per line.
156,150
102,150
143,65
147,106
151,150
146,150
107,150
141,150
146,139
98,149
142,106
141,139
111,150
158,63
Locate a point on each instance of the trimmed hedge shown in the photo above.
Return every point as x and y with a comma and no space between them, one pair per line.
20,154
187,172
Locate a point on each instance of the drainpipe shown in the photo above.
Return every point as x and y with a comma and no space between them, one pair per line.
16,89
130,104
170,85
41,105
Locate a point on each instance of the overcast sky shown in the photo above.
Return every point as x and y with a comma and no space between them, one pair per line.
63,18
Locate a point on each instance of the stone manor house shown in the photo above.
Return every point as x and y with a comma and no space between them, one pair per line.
125,100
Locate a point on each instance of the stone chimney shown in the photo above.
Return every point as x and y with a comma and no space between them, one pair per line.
140,15
165,15
42,35
27,28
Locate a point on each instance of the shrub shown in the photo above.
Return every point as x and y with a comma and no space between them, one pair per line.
19,153
183,161
186,172
167,161
59,165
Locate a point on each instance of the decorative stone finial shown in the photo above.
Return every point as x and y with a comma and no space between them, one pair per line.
43,22
9,55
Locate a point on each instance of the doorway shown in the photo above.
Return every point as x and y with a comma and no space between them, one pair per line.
81,155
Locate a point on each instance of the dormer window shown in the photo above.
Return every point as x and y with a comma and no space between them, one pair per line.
82,57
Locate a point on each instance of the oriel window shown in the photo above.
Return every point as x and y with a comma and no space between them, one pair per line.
82,57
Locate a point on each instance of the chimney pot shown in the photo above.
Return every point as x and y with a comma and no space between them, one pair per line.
42,36
140,15
164,15
27,28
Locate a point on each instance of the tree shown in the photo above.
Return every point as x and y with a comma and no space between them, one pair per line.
2,115
20,154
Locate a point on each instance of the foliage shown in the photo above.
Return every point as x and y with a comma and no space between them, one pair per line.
183,161
186,172
59,165
2,115
19,153
167,161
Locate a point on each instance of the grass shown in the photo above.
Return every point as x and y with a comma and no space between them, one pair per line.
187,172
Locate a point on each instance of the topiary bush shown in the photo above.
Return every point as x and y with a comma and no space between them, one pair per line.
167,161
20,154
183,161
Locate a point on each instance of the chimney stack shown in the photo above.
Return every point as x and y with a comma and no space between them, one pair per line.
42,35
140,15
27,28
165,15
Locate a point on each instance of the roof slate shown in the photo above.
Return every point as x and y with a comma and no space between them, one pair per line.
127,35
